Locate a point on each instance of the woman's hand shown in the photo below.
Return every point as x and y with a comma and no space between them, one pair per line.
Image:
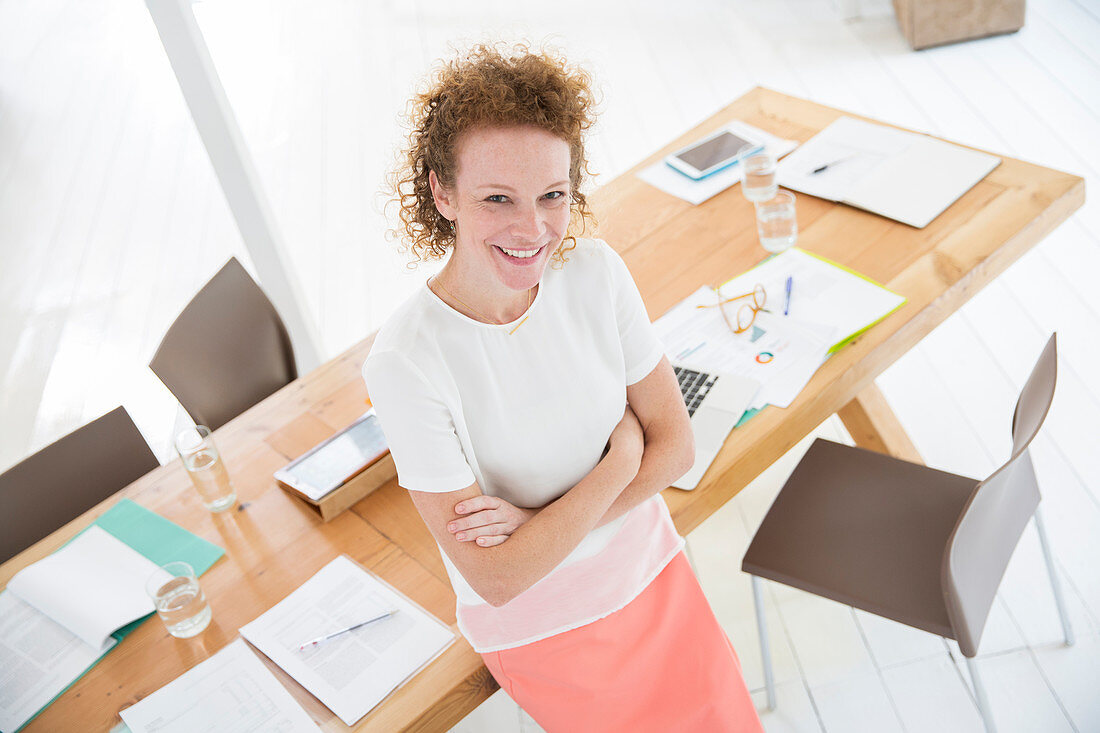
490,520
487,520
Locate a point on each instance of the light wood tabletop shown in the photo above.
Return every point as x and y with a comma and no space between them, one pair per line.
274,543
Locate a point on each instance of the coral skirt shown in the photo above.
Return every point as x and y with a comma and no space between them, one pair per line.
662,663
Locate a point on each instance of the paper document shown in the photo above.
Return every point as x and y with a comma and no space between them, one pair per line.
664,177
91,586
57,616
354,671
38,659
825,297
231,692
779,353
901,175
61,614
829,306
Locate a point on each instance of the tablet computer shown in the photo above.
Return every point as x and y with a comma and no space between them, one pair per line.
713,153
330,463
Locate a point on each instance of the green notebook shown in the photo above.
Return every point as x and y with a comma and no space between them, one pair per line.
156,538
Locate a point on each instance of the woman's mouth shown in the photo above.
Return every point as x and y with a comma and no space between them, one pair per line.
519,256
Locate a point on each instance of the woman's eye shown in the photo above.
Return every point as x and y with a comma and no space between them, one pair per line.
555,194
497,198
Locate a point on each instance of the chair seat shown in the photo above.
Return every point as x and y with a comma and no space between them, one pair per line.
864,529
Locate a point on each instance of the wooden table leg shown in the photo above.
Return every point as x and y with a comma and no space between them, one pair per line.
874,426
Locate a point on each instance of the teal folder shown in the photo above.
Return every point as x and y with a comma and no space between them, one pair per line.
156,538
159,539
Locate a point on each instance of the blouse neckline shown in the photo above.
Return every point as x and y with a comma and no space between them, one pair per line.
495,326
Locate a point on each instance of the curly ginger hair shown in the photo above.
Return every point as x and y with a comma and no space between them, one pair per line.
488,86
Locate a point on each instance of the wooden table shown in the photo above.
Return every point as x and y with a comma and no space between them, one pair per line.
273,543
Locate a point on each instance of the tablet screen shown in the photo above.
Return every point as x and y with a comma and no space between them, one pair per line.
714,151
335,461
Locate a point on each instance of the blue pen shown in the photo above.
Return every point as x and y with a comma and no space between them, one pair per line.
787,305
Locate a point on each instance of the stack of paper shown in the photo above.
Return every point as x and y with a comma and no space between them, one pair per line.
829,306
353,672
779,353
834,301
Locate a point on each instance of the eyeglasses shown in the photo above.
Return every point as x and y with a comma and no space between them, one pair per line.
746,314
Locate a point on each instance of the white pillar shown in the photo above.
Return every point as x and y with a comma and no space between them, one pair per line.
221,135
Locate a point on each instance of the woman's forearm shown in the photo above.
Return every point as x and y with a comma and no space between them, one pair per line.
668,455
546,539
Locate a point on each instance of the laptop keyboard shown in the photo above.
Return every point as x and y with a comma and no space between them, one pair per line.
693,386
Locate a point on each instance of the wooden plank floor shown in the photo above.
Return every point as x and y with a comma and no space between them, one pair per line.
110,219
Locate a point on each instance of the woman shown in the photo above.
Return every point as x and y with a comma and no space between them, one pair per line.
501,387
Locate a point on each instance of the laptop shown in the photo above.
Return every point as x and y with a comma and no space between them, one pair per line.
715,402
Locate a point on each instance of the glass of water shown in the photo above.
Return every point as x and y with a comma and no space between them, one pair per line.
776,222
179,599
205,467
758,177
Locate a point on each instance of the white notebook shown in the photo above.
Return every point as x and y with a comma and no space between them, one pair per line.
57,617
353,672
901,175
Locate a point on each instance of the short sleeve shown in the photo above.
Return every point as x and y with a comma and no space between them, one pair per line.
642,350
417,424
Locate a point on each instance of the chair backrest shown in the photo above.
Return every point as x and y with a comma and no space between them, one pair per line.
995,517
69,477
226,351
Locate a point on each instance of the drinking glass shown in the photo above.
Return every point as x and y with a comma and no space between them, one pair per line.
758,177
205,467
179,599
776,222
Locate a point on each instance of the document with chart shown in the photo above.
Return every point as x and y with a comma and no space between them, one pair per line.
780,353
232,692
834,300
826,307
352,672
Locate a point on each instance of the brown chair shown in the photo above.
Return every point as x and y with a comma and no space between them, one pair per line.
226,351
904,541
68,477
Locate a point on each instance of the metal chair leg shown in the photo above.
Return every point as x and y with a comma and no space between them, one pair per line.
762,630
979,696
1055,584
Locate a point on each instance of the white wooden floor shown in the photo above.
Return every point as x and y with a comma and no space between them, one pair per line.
110,219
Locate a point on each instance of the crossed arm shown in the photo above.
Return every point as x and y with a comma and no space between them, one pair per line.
651,447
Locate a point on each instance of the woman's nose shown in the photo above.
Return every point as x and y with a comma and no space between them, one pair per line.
528,223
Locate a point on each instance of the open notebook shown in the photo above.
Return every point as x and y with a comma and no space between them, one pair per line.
62,614
901,175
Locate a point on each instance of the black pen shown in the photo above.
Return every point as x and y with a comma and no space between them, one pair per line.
841,160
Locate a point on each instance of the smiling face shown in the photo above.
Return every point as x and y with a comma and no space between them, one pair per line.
510,205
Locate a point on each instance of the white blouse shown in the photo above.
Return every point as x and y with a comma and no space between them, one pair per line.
527,415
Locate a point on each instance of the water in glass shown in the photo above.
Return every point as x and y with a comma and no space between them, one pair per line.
211,479
778,230
182,606
758,178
